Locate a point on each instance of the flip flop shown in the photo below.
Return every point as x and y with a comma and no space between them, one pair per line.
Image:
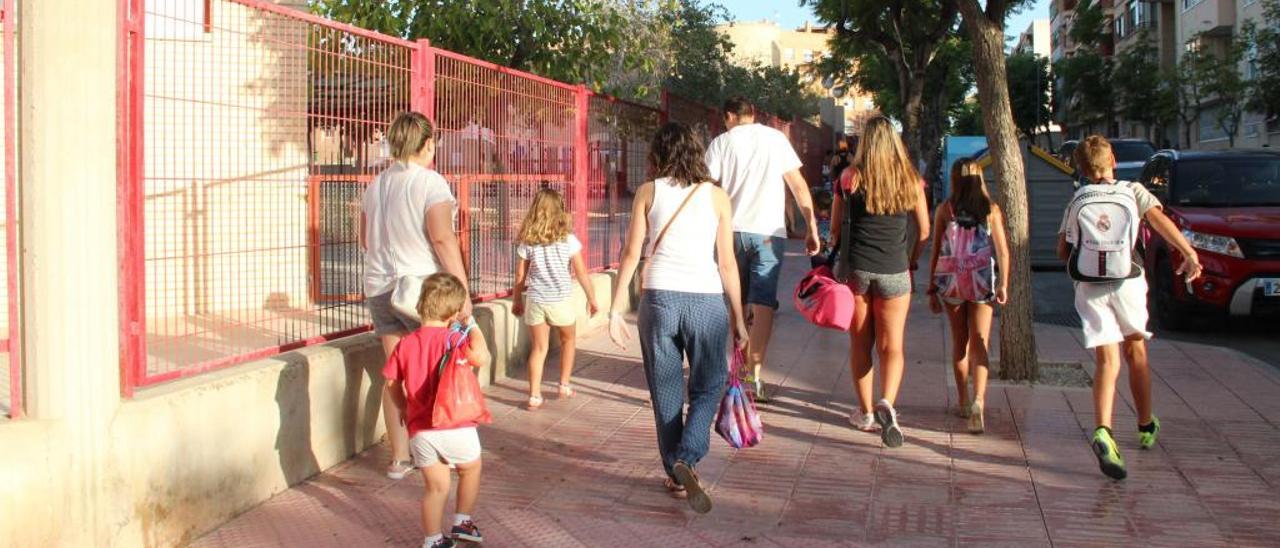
566,391
535,402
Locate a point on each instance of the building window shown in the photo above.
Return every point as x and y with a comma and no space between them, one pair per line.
1251,62
1209,128
1188,4
808,56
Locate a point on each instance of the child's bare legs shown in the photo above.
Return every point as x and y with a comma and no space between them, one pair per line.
438,482
1104,382
862,334
891,323
1135,352
397,434
468,486
568,351
958,317
979,344
540,340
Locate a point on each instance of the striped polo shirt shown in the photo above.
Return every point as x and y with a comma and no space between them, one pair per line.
548,280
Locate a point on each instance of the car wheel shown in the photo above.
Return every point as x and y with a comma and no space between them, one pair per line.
1168,312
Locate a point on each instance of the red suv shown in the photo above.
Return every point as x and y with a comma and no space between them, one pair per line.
1227,204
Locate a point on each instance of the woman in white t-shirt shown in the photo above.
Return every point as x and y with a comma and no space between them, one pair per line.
406,228
690,277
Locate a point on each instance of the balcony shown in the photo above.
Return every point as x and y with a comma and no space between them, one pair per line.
1210,17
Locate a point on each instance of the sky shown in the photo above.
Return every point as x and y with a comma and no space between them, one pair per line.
788,13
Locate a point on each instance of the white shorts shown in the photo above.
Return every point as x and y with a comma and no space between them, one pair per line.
1110,312
454,446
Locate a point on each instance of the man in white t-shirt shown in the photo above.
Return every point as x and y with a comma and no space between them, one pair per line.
755,164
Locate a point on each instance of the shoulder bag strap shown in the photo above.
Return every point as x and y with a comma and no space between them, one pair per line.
657,241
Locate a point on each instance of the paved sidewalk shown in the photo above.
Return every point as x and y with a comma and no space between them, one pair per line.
585,471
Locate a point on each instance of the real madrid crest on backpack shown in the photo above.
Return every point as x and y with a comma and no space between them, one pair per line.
1102,228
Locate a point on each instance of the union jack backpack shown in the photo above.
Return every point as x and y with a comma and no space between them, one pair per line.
966,268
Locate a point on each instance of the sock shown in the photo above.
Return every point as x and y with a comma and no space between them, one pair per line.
458,519
432,540
1147,428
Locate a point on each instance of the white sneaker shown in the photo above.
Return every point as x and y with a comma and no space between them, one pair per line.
863,422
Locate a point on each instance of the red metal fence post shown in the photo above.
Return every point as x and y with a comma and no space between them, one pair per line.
581,167
132,240
422,75
14,345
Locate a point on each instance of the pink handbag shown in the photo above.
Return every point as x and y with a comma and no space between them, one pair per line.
824,301
738,422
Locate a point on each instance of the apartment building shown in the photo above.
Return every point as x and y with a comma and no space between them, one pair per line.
768,44
1212,24
1035,39
1172,26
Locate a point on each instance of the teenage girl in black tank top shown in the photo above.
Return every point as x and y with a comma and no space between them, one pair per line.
878,196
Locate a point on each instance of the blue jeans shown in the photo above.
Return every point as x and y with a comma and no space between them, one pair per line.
674,325
759,266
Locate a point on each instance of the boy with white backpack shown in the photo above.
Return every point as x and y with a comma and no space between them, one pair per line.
1097,238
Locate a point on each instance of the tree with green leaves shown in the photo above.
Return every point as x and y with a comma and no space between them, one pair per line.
1186,84
966,119
1086,96
1029,92
1264,55
903,36
985,27
947,81
604,44
1136,84
1223,82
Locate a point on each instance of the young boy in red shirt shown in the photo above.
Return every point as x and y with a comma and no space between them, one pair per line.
411,385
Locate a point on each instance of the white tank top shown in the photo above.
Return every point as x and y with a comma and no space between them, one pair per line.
686,260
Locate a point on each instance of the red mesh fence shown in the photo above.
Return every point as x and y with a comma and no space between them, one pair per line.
504,136
618,137
250,133
256,129
10,365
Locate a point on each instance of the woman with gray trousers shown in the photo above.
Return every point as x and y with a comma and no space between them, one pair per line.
690,296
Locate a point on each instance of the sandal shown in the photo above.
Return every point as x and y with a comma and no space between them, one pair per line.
399,469
699,500
566,391
674,487
535,402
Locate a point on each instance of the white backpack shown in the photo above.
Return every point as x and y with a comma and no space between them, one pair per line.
1102,228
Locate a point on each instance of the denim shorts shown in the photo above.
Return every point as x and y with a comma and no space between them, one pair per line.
884,286
386,321
759,266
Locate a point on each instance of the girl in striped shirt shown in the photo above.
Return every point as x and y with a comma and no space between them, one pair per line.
547,250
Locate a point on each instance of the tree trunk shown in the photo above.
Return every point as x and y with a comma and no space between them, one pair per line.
911,107
1017,332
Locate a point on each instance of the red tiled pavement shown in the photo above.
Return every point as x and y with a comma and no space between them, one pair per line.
585,472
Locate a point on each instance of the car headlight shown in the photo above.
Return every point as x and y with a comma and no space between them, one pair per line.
1222,245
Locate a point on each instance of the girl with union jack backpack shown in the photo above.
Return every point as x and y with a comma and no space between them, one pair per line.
968,273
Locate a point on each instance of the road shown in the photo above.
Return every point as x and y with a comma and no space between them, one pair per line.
1054,304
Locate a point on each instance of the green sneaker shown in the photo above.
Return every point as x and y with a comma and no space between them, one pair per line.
1109,459
1147,438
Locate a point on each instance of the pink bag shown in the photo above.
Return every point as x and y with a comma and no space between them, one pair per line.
738,422
823,300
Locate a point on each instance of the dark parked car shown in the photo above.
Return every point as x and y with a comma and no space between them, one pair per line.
1227,204
1131,155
